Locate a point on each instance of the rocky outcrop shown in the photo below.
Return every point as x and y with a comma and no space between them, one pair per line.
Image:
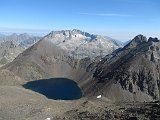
131,72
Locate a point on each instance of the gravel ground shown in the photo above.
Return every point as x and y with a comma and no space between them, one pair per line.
17,103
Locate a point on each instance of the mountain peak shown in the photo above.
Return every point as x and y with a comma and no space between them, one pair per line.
71,34
77,30
139,39
82,44
153,39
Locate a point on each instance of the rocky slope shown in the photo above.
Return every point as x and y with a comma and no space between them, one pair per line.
48,57
76,43
18,103
12,45
46,60
82,44
130,73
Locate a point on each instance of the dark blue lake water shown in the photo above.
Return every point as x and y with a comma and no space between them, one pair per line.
56,88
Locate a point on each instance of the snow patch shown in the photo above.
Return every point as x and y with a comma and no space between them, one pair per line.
99,96
48,119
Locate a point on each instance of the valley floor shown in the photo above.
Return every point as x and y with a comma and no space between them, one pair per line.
17,103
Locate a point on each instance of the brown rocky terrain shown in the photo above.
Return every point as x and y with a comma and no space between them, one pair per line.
127,79
131,73
17,103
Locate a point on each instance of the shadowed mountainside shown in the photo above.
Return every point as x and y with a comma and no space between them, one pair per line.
131,73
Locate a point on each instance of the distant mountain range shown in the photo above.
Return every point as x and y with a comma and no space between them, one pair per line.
14,44
24,40
82,44
76,43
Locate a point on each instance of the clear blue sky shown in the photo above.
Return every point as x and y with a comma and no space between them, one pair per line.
120,19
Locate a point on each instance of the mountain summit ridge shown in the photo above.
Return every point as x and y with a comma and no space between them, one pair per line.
134,68
82,44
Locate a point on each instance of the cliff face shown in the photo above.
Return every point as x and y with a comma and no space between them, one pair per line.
131,73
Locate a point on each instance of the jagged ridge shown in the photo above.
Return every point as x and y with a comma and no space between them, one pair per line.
134,68
82,44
